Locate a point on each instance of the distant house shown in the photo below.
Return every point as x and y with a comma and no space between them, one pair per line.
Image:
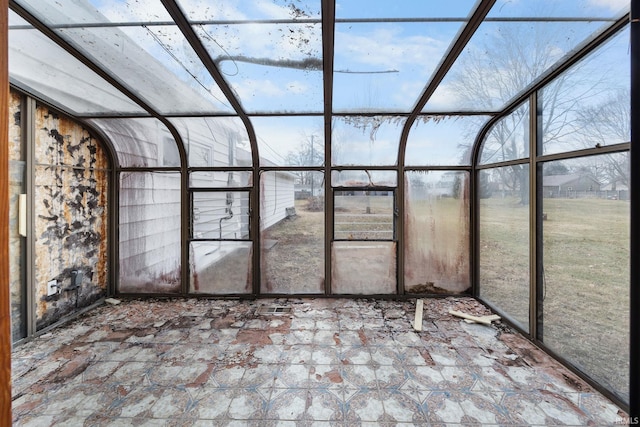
617,190
568,185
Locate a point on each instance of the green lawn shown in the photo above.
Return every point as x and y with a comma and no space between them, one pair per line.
585,283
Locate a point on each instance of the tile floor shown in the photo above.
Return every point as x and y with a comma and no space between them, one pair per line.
330,362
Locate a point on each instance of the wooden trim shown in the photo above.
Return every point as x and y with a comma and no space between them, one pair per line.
5,306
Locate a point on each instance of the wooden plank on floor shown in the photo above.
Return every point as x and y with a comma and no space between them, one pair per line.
417,323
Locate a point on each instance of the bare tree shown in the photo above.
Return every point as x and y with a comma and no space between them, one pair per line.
310,152
518,55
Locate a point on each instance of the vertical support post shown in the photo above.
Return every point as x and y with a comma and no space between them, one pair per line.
328,26
28,120
634,297
535,219
5,298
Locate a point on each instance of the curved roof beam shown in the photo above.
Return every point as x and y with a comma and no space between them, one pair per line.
190,35
477,17
566,62
122,87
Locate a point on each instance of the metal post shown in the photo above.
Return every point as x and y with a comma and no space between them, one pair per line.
634,347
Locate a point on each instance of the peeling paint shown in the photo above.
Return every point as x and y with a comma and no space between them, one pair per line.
70,204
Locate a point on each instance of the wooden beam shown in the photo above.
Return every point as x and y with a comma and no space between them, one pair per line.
5,304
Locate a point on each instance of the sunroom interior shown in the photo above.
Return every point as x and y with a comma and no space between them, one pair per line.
339,149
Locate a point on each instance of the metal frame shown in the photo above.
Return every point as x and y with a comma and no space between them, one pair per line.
634,371
535,160
328,20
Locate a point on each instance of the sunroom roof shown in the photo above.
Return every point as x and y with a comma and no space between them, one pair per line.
199,58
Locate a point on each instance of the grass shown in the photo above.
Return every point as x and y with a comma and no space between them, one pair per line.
586,278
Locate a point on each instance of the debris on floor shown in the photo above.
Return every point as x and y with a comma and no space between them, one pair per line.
485,320
339,362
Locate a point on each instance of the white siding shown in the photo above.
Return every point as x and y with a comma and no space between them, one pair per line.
277,195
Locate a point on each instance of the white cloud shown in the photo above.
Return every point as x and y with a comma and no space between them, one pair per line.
611,5
250,88
297,87
388,49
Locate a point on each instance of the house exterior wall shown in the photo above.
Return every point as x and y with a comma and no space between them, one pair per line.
277,195
71,175
149,232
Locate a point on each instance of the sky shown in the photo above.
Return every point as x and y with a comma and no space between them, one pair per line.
379,66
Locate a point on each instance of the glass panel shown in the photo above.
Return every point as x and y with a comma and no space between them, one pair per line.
293,233
270,51
290,140
588,106
437,232
364,178
140,142
442,140
156,62
149,231
554,9
504,240
220,267
17,242
64,12
363,268
220,215
384,66
364,215
271,67
586,266
220,179
386,9
366,140
502,59
508,139
214,141
250,10
67,82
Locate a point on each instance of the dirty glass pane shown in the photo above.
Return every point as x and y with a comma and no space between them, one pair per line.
508,139
270,52
557,9
383,66
503,58
64,12
589,105
292,232
251,10
364,215
220,179
366,140
214,141
363,268
290,140
504,240
140,142
442,140
272,67
69,83
156,62
220,267
220,215
586,222
17,242
149,232
437,232
364,178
